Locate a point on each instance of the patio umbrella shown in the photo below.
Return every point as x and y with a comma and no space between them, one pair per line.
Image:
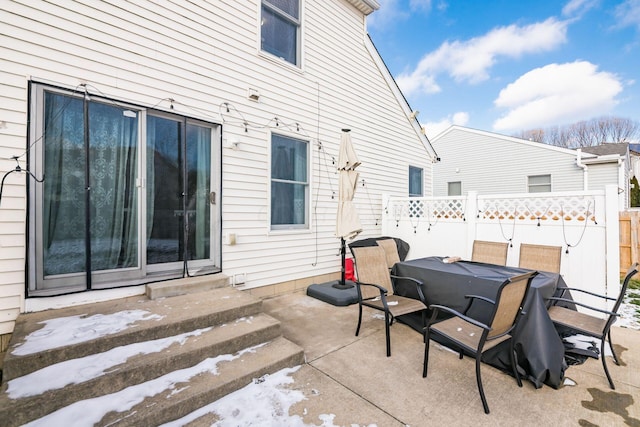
347,222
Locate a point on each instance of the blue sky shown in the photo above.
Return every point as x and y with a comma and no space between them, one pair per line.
511,65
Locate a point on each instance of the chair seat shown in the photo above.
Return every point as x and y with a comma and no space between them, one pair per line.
465,334
581,322
398,305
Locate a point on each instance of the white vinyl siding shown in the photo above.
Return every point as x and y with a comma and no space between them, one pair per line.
190,58
490,163
602,174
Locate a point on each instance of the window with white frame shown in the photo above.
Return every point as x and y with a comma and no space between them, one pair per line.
539,183
289,183
280,29
415,182
454,188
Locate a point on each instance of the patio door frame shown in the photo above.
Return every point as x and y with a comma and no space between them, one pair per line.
37,283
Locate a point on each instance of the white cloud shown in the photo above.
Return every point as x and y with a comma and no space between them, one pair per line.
472,59
557,94
578,7
628,14
432,129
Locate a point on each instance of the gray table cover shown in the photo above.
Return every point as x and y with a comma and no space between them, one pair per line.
539,347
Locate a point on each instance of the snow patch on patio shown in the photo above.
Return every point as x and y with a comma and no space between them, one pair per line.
265,402
89,367
91,411
63,331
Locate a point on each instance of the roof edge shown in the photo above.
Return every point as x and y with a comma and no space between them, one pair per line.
365,6
402,100
512,139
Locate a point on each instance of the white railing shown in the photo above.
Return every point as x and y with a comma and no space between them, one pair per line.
585,224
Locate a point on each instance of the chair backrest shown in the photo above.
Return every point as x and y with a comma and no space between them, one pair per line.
631,271
390,250
509,302
401,246
490,252
540,257
371,267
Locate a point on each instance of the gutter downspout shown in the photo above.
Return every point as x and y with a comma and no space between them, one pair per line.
585,176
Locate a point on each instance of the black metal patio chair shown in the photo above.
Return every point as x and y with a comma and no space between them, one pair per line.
474,337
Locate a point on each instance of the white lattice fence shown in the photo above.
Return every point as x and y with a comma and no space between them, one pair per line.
576,221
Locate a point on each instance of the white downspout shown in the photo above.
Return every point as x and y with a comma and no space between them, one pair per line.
585,176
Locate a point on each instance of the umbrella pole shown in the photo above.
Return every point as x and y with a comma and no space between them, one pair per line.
343,283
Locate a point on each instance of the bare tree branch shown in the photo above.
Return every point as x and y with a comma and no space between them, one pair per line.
586,133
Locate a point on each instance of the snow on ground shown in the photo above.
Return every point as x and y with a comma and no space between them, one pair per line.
265,402
89,367
91,411
64,331
629,316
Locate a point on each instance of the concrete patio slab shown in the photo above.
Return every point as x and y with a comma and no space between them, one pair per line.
449,394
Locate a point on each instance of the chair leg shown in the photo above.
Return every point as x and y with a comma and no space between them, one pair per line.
514,367
386,326
424,322
359,319
604,364
479,380
426,352
615,357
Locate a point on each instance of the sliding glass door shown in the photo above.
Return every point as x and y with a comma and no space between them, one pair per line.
129,196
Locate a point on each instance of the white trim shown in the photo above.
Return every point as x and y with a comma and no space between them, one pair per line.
365,6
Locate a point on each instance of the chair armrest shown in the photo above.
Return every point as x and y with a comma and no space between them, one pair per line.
472,298
480,297
383,291
610,313
436,308
586,292
417,282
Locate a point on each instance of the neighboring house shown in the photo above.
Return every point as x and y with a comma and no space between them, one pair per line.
490,163
614,164
181,138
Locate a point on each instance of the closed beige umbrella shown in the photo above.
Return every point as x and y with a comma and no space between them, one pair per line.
348,223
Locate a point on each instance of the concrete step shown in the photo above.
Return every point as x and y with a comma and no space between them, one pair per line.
187,285
189,390
128,366
39,339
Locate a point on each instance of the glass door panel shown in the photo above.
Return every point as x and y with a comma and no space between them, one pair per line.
199,196
89,195
164,190
63,197
178,191
113,159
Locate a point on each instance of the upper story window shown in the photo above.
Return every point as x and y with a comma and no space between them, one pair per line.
289,183
454,188
280,29
415,182
539,183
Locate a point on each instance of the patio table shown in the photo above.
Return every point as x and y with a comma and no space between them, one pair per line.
538,346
